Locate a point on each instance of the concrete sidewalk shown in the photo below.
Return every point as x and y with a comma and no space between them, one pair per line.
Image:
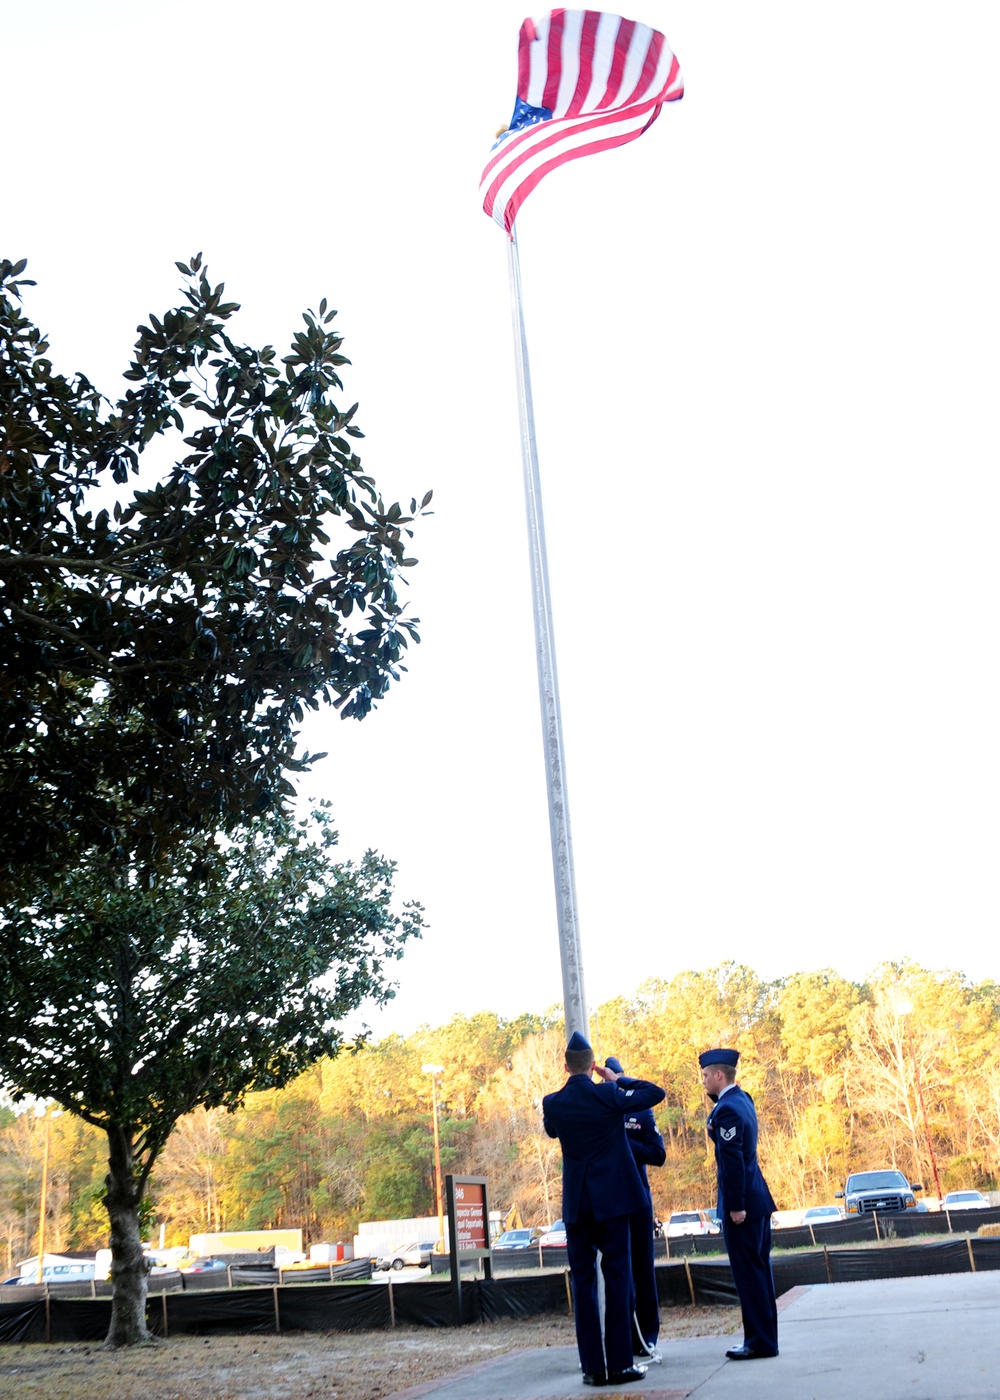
930,1338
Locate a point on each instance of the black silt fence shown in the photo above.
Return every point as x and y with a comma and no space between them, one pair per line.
523,1297
24,1322
340,1307
672,1287
517,1261
513,1261
712,1284
857,1229
239,1311
948,1257
683,1245
837,1234
986,1252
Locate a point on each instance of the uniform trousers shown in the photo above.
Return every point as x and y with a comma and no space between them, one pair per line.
646,1302
749,1249
583,1240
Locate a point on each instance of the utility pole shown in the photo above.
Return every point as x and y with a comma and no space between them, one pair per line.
434,1071
45,1188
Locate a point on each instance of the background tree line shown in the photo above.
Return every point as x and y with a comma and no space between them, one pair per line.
834,1067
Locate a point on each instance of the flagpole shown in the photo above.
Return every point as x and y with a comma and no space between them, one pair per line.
548,685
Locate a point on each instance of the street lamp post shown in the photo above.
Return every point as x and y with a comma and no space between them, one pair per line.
434,1071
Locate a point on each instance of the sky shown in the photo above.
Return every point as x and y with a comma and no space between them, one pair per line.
763,345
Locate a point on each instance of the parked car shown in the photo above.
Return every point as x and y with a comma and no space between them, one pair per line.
869,1192
691,1222
819,1215
60,1273
519,1239
966,1200
556,1235
417,1254
205,1266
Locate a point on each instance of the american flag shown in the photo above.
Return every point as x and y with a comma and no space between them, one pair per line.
586,82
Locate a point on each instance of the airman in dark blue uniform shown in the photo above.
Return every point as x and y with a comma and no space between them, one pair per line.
647,1151
601,1189
745,1203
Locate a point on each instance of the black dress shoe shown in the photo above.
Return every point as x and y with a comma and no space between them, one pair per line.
748,1354
631,1373
595,1378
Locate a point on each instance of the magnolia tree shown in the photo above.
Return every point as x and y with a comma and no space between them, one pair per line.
162,632
167,937
132,1000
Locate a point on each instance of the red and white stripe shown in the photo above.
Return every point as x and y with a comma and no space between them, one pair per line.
604,79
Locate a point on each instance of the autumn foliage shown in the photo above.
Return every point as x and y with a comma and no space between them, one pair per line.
833,1066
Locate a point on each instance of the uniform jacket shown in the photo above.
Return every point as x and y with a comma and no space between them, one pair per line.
732,1126
645,1142
588,1119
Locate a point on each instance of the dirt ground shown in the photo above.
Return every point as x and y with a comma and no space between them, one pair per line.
335,1365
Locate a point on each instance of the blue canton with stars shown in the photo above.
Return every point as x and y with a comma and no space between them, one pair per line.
525,116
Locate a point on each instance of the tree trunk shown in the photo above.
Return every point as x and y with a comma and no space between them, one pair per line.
128,1263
